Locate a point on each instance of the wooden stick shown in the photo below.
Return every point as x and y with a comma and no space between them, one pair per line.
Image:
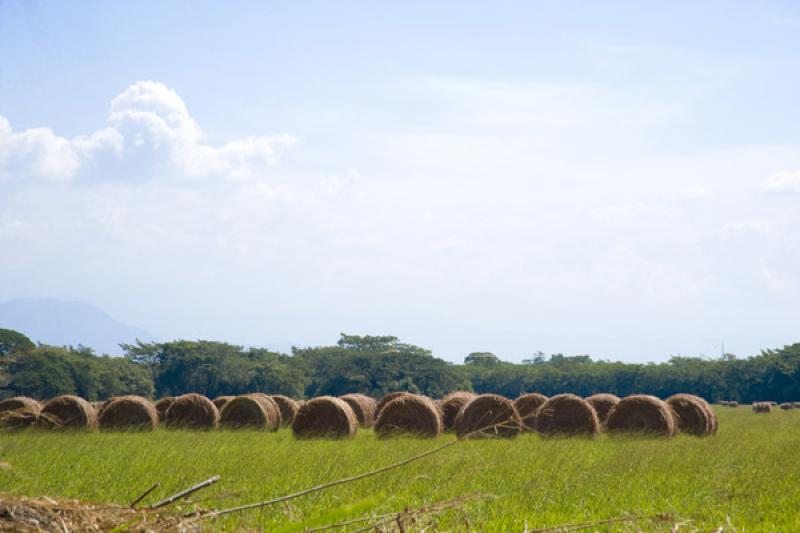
144,495
184,493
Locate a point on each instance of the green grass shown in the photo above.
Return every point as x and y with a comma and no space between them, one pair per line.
745,476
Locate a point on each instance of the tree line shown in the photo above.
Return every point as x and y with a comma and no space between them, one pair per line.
375,365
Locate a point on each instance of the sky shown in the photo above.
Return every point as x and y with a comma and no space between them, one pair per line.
619,179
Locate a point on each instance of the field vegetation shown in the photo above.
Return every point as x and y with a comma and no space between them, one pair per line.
743,478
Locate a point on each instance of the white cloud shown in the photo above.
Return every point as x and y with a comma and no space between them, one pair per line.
784,182
150,134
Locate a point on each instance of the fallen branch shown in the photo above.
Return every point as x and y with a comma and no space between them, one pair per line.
185,493
144,495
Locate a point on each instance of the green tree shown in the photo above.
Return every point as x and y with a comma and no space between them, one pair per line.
12,341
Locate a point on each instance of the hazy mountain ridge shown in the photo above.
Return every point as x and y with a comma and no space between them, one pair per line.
59,322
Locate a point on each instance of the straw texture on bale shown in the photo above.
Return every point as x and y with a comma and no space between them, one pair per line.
220,401
603,403
288,408
326,417
692,414
266,398
451,405
388,397
162,405
131,413
19,402
68,411
363,406
19,418
192,411
787,406
410,414
250,411
641,413
488,415
527,404
18,412
567,414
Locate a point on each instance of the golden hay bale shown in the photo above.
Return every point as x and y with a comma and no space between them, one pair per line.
68,411
488,415
250,411
162,405
288,408
603,403
325,416
451,405
192,411
131,413
762,407
566,414
19,402
641,413
787,406
527,404
388,397
411,414
220,401
363,406
692,414
266,398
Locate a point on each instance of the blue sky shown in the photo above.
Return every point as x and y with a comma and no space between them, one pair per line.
620,179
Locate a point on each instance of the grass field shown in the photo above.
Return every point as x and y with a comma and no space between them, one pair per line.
745,478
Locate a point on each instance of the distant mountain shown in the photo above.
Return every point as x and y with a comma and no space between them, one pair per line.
60,323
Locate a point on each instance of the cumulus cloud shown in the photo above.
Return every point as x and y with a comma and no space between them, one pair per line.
150,133
784,182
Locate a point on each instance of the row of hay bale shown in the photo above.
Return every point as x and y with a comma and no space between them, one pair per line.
767,407
470,415
188,411
729,403
465,413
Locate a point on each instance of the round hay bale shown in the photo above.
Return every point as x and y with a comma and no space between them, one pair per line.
733,403
692,414
68,411
451,405
266,398
363,406
288,408
488,415
567,414
21,418
410,414
192,411
250,411
220,401
326,417
603,403
797,405
388,397
762,407
130,413
641,413
19,402
527,404
162,405
787,406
